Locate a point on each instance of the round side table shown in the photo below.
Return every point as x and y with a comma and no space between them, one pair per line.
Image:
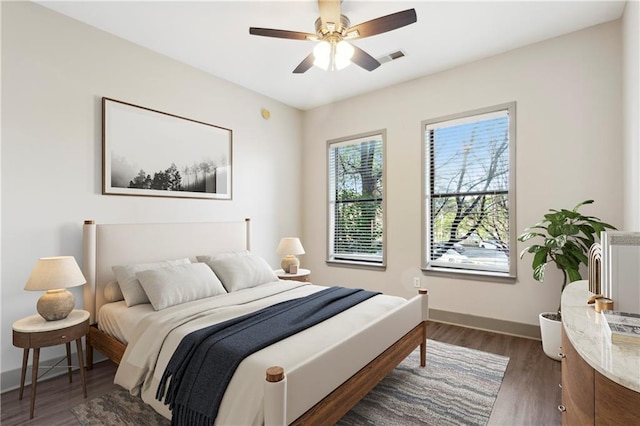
34,332
302,275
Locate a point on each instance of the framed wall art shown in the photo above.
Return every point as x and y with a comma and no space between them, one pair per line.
152,153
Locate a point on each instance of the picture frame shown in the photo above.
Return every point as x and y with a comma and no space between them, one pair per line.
152,153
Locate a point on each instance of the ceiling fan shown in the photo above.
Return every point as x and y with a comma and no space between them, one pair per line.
332,32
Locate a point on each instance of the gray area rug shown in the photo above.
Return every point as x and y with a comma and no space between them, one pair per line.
457,387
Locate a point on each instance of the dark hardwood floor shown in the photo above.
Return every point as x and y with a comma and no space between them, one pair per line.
529,394
55,396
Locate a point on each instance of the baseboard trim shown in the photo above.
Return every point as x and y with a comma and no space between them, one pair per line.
511,328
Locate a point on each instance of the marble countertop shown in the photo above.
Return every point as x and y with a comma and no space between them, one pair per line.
619,362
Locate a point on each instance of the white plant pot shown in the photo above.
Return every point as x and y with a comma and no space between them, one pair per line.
550,330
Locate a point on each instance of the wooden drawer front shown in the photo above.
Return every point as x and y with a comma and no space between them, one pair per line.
577,387
50,338
616,404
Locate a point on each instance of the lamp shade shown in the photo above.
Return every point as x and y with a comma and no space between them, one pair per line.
52,273
290,245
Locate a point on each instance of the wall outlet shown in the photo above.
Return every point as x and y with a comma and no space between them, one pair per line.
416,282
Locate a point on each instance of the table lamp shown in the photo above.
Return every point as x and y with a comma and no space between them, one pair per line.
55,274
289,247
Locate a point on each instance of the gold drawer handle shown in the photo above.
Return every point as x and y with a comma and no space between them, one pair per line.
63,337
562,408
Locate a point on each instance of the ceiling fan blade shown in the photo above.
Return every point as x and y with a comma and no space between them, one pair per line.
305,64
363,59
329,11
384,23
292,35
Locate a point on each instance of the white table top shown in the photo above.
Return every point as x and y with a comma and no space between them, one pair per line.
301,273
619,362
36,324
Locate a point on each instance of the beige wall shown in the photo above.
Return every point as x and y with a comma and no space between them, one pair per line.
631,114
54,72
568,94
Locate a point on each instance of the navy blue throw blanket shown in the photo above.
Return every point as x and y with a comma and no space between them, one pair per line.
205,360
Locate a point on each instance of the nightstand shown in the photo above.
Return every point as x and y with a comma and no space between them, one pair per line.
35,332
302,275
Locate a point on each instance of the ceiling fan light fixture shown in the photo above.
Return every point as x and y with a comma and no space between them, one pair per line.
332,29
332,56
343,54
322,55
352,34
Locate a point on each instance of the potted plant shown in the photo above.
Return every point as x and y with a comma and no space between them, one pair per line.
566,236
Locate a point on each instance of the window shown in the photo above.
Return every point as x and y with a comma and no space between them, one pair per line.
469,175
356,231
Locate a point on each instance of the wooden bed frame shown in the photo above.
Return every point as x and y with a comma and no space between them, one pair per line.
328,410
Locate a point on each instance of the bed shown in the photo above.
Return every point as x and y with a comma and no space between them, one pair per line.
332,367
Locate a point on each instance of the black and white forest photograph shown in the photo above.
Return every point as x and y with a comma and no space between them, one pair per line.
151,153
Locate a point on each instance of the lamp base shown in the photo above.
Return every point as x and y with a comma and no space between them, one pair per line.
288,261
56,304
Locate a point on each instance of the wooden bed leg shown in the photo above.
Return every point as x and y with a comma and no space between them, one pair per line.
423,346
425,316
275,397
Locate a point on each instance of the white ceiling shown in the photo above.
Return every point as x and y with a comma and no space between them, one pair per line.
214,36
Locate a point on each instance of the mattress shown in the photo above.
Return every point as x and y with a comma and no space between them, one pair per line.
119,321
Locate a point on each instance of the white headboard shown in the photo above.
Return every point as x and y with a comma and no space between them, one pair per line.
104,246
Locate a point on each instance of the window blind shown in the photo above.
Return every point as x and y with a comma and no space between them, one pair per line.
356,199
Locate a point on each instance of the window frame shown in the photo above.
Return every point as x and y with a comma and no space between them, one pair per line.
458,271
331,259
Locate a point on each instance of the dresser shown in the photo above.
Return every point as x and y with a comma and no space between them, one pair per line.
600,380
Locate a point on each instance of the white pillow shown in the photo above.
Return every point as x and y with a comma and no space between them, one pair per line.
239,270
112,292
179,284
130,286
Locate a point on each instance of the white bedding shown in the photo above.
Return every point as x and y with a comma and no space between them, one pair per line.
119,321
315,361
